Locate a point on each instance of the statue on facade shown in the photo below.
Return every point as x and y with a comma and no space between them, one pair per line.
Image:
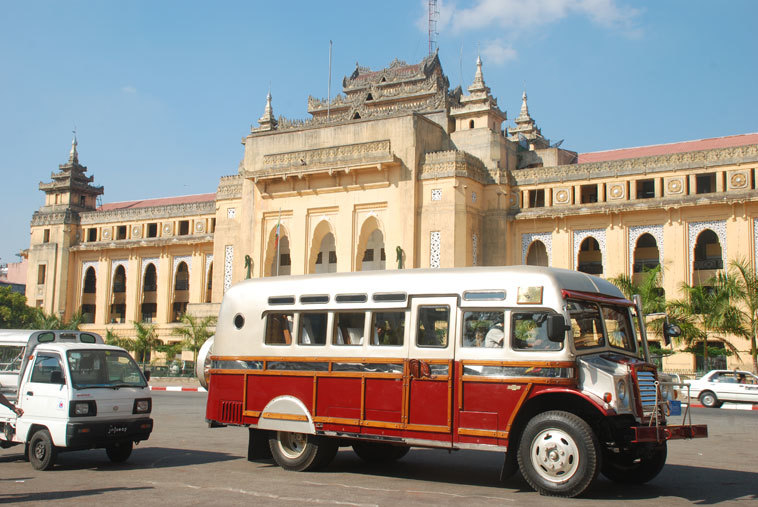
248,266
399,252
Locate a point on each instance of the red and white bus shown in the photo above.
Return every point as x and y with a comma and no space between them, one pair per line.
546,365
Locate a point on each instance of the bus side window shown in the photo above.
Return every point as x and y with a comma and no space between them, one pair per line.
348,328
279,329
529,332
433,326
483,329
312,329
388,328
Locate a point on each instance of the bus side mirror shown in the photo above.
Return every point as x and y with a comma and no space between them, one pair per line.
147,375
670,331
556,328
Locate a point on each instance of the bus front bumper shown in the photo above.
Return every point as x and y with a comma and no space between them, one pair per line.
673,432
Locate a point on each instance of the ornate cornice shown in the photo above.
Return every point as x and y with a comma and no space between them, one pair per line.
230,187
147,242
309,161
640,165
149,213
55,217
443,164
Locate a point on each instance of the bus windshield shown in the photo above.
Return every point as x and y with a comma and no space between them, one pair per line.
597,325
103,369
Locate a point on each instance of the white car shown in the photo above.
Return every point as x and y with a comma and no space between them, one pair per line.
718,386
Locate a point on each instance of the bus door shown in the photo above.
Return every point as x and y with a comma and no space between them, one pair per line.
429,367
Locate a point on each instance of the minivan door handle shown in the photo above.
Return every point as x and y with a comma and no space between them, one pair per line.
30,393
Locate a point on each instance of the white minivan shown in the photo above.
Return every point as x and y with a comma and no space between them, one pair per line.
76,393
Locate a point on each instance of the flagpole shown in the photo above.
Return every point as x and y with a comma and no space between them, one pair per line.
278,243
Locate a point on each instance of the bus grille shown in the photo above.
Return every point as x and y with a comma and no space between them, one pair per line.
647,391
231,411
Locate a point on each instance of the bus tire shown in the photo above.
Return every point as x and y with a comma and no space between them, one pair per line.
559,454
634,468
119,452
377,452
301,452
42,452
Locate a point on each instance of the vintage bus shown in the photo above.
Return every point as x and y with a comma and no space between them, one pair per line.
546,365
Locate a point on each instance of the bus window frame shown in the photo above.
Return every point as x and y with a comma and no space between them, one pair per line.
406,332
512,336
273,311
327,330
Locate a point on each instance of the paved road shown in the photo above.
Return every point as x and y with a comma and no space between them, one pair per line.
185,463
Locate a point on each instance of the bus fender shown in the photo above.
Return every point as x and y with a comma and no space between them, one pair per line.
592,399
286,413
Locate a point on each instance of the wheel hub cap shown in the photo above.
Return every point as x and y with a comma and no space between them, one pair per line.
555,455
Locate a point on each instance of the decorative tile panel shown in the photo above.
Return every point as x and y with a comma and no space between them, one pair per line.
136,232
228,259
231,212
436,194
738,180
199,226
562,195
208,263
545,237
656,231
616,191
474,248
473,196
599,235
674,185
434,249
695,228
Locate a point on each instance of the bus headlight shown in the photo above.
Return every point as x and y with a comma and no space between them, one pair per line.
621,390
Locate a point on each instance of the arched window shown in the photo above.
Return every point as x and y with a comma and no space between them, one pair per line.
471,124
149,288
708,258
89,296
326,260
537,254
118,301
181,291
590,258
373,255
646,254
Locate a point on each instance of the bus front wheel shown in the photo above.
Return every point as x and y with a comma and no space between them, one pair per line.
300,452
559,454
377,452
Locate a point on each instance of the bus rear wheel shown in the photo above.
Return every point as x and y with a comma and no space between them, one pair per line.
634,468
300,452
377,452
559,454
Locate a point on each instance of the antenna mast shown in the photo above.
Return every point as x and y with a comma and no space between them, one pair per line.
434,14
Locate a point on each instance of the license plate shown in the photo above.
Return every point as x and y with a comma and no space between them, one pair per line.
116,430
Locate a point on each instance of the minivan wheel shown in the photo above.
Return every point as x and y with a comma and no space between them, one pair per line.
42,452
119,452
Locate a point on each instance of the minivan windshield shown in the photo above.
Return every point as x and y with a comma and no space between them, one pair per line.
597,325
103,369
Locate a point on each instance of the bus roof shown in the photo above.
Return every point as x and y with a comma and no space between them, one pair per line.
426,281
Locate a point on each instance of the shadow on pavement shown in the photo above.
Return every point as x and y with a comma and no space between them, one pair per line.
60,495
700,485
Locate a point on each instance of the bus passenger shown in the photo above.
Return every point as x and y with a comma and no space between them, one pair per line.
495,336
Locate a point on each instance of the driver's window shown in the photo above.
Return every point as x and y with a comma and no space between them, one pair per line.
529,332
45,364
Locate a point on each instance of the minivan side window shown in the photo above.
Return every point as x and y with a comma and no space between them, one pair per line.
44,365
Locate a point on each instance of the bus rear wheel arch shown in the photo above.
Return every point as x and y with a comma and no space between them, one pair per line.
559,454
301,452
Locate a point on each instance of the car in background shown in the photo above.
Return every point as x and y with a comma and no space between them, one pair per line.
718,386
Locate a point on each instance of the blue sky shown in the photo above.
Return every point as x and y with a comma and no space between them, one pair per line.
161,92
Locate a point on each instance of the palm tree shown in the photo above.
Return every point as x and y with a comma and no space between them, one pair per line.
111,338
145,341
41,320
649,289
747,282
194,332
707,314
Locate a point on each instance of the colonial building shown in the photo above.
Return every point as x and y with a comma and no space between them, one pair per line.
398,171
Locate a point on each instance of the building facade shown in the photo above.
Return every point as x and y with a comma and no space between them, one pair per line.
398,171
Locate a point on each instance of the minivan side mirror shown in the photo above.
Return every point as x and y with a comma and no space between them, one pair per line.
556,328
56,377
